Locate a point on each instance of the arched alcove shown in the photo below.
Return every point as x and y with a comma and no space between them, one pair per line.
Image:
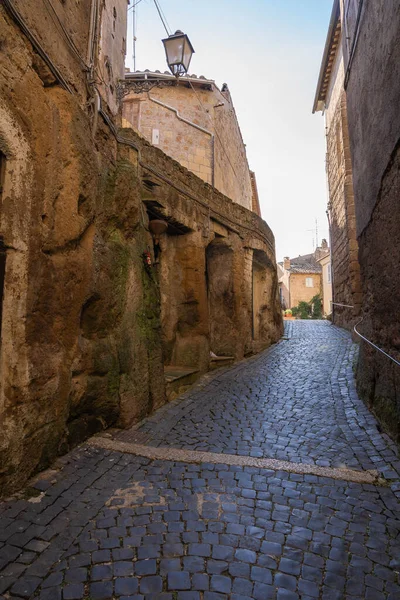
221,298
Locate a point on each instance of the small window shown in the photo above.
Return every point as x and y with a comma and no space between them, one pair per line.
329,274
309,282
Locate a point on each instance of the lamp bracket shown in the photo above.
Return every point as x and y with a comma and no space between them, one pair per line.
127,86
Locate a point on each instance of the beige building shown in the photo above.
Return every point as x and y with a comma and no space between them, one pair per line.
194,122
330,99
326,277
300,279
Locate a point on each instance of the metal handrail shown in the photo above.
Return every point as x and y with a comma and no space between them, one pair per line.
338,304
364,338
372,344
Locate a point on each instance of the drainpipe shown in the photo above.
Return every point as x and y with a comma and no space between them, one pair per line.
206,131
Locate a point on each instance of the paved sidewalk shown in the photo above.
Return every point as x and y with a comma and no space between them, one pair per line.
105,524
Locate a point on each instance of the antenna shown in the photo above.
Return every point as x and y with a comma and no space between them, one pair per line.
314,231
134,35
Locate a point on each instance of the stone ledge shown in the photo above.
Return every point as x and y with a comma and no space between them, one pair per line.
193,456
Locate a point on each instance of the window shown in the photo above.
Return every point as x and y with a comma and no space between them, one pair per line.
329,273
309,282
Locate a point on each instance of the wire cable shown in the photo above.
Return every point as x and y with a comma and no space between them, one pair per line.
160,14
134,5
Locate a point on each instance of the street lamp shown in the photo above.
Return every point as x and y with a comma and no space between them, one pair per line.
178,50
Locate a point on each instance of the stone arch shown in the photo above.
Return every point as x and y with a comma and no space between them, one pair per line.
263,297
221,297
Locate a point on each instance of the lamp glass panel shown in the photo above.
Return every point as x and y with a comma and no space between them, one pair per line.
174,50
187,54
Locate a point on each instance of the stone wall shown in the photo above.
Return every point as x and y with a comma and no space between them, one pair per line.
373,98
206,266
344,247
85,321
80,340
197,128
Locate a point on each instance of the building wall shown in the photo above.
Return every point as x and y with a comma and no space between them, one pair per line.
112,50
216,153
373,98
298,289
344,246
284,276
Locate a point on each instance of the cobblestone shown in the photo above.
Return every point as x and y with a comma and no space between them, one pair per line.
110,525
295,402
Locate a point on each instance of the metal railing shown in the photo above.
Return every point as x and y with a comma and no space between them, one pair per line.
363,337
372,344
338,304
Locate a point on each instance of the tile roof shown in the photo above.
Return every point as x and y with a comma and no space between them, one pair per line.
304,264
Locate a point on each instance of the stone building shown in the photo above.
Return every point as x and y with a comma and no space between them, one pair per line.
330,99
300,278
195,123
91,309
372,81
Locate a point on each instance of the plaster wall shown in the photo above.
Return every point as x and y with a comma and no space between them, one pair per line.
298,289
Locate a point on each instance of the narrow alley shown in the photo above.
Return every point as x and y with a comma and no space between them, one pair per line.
269,479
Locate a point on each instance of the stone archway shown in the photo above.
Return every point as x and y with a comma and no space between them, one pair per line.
221,298
263,298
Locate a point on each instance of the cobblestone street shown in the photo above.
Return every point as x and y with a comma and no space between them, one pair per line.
105,524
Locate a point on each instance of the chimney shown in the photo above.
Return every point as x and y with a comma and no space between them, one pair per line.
324,244
286,263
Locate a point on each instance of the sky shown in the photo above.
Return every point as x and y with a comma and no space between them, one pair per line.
269,53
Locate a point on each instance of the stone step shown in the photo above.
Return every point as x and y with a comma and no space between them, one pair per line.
221,361
178,379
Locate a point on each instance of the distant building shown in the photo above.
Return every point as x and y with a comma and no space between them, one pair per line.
194,122
300,279
330,98
326,277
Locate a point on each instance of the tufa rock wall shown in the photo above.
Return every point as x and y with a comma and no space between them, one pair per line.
373,98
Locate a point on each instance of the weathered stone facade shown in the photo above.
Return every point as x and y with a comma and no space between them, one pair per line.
331,98
372,63
84,321
195,123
